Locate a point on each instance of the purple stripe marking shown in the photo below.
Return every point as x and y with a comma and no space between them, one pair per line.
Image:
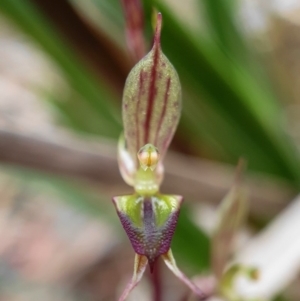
152,93
163,113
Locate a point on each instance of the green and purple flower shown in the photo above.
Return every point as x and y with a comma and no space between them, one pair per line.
151,112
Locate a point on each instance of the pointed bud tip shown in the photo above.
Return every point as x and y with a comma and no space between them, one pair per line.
158,29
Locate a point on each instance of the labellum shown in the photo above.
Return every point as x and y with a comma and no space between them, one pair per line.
149,222
151,111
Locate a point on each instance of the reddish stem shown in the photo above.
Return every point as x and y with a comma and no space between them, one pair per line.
156,281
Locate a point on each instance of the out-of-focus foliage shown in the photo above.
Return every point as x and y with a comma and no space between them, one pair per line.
93,95
231,215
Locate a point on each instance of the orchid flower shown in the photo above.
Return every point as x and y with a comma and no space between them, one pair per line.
151,110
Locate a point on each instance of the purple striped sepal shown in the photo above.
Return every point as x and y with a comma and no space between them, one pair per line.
151,108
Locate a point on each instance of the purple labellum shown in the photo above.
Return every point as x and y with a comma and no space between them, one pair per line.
151,225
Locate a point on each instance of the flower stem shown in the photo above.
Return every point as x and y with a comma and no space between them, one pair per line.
156,281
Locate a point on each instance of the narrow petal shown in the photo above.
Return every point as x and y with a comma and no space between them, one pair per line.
151,101
232,213
171,264
140,264
134,18
127,164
